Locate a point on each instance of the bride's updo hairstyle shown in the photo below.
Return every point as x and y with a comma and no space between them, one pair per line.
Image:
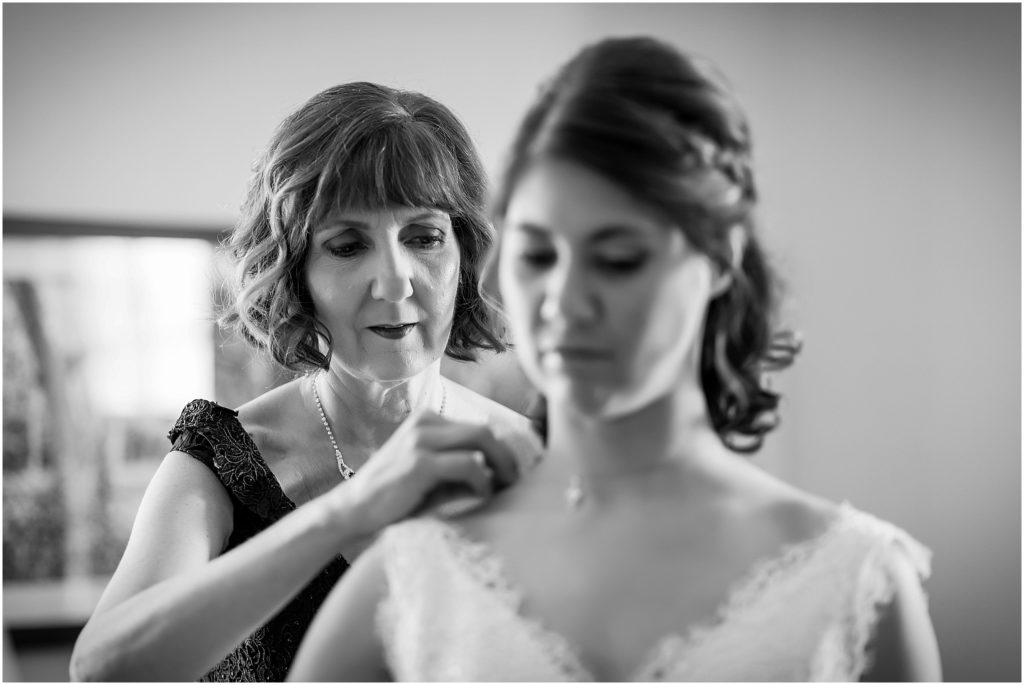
664,126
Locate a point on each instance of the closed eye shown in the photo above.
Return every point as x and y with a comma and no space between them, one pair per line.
349,249
621,264
539,259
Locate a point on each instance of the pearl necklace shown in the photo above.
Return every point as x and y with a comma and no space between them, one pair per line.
346,470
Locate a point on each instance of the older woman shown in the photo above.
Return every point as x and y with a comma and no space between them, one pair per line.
357,253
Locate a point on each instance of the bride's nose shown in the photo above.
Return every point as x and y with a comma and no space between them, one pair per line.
569,295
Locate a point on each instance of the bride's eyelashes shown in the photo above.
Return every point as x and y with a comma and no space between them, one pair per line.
613,263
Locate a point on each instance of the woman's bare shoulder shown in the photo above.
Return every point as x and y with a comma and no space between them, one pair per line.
508,426
276,419
272,407
791,514
468,404
802,515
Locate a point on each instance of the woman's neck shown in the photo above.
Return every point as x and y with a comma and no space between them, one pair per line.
365,413
670,436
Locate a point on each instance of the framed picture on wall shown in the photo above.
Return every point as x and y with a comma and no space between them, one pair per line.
108,332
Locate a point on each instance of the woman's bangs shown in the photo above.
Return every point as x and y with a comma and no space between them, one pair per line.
399,166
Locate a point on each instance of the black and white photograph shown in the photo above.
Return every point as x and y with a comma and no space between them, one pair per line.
527,341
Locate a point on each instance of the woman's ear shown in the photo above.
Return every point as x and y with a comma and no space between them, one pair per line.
723,277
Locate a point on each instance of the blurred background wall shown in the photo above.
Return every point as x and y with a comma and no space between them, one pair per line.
888,150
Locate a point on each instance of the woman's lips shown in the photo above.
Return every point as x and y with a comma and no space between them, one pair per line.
393,332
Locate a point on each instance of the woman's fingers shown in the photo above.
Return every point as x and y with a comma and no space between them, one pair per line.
445,435
464,482
430,460
465,468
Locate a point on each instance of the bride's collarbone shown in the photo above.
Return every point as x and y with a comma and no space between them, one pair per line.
696,560
572,587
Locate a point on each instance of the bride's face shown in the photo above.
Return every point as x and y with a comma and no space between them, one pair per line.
605,299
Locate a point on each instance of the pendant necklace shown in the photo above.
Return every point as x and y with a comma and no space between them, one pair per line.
346,470
574,493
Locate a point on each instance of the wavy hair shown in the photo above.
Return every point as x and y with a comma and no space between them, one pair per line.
358,145
664,126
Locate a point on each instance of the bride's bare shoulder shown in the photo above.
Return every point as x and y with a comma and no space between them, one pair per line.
800,515
777,508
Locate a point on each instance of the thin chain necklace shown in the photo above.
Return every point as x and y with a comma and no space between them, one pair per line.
575,493
346,470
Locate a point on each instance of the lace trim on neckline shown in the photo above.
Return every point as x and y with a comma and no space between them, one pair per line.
486,569
873,588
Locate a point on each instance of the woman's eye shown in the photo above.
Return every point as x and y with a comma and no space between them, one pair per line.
621,264
350,249
538,259
424,237
427,241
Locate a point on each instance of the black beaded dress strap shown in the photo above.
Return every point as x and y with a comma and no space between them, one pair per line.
213,435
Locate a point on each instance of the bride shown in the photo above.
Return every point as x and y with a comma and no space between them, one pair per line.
644,545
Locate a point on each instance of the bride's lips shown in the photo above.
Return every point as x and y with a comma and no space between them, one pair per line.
393,331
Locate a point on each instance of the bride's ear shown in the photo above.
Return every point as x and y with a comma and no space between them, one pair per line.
723,277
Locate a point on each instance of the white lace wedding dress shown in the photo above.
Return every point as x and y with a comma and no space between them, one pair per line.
806,614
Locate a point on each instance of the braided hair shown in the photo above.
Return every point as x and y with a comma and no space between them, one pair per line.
664,126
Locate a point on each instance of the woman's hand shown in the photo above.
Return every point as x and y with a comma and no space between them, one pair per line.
428,461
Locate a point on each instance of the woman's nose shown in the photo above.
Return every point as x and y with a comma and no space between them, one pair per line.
570,296
392,277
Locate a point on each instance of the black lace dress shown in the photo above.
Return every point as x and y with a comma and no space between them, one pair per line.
212,434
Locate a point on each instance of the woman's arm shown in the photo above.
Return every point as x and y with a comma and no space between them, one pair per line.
175,606
904,645
342,643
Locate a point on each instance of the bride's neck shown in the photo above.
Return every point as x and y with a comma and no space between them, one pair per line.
673,432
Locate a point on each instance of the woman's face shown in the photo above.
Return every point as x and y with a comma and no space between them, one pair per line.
383,282
605,299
